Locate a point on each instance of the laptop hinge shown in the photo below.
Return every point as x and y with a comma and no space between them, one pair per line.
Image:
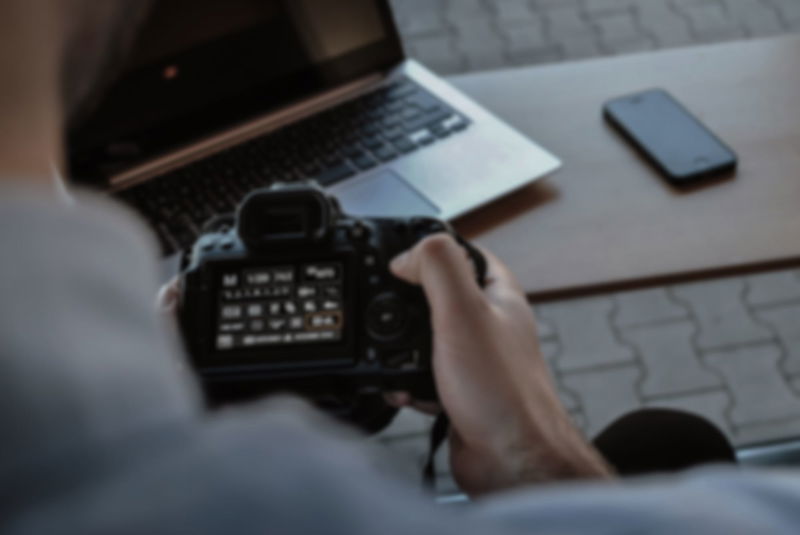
239,134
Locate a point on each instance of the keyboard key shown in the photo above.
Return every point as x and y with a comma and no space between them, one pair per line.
455,123
439,131
372,143
311,169
351,151
385,153
364,162
404,145
424,120
395,119
334,174
424,101
422,137
393,133
401,90
411,112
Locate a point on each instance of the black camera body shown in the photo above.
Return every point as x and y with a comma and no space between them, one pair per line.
297,296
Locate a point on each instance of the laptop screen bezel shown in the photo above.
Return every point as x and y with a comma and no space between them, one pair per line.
94,167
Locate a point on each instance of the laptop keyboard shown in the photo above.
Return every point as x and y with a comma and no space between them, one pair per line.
329,147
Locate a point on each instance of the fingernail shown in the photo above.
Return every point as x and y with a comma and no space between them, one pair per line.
399,262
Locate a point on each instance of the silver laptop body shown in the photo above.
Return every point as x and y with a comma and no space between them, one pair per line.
446,179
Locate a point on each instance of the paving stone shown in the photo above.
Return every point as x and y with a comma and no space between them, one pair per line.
579,419
720,311
568,397
570,27
773,288
481,45
642,44
643,307
439,53
756,17
544,328
785,321
617,28
760,392
528,37
566,20
442,458
535,56
789,11
671,363
665,26
408,422
419,17
515,12
584,329
446,485
654,9
710,21
550,349
767,432
467,11
580,47
711,405
604,7
408,454
605,395
550,4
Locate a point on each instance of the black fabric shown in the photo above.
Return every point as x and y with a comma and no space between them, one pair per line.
662,440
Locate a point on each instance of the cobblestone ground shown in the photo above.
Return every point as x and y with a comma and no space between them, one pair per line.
453,36
728,349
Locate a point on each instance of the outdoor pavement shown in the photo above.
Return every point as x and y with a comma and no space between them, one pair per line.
729,348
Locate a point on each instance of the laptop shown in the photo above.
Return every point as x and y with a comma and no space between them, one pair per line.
219,98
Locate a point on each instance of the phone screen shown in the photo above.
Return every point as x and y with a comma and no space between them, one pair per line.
673,139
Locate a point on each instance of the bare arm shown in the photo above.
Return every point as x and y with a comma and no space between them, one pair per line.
509,427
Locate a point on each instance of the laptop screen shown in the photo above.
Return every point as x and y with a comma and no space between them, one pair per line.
200,66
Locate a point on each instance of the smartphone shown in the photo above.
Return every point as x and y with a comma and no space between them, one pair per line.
684,150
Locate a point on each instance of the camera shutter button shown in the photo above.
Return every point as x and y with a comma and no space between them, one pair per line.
425,226
359,231
386,316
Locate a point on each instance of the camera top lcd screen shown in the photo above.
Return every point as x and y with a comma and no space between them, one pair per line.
260,307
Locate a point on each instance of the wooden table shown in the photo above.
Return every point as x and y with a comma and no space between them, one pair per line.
606,220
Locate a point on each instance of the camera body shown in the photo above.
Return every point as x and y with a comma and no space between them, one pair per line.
296,296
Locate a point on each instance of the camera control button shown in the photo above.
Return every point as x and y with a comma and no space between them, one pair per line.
386,316
399,359
359,231
424,226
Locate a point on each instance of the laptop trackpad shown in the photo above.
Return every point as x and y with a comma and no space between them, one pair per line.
384,194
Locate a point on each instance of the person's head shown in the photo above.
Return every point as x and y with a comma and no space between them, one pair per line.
56,56
97,35
85,39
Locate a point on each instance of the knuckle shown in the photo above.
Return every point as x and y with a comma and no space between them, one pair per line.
438,247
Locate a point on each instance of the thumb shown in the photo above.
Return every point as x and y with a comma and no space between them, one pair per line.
443,269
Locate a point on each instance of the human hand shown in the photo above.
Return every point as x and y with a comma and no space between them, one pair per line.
167,298
508,426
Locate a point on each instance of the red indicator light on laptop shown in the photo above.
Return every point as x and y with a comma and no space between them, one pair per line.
171,72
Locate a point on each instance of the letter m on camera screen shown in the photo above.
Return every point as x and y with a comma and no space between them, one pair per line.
280,306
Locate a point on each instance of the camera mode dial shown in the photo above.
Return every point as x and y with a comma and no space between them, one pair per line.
386,316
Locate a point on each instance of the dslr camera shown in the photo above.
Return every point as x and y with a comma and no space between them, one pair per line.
291,294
